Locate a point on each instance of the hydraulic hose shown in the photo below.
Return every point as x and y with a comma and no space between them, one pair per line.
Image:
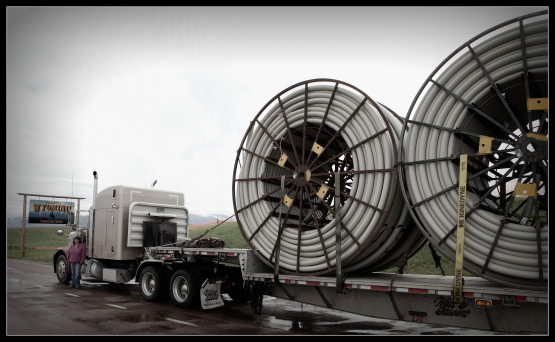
484,92
308,133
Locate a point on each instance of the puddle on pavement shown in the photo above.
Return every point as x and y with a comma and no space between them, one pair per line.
307,321
304,318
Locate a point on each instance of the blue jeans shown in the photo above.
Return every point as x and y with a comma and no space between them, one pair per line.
75,274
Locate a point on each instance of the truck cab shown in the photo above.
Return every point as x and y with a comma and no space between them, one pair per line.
122,221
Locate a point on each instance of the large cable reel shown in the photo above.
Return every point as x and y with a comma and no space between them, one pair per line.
311,133
489,103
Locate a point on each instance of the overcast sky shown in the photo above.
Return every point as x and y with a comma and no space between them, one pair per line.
139,94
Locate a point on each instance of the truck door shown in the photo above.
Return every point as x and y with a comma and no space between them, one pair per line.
111,233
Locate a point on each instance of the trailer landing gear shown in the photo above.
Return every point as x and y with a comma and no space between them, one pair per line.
256,291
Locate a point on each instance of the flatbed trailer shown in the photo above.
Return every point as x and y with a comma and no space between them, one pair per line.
406,297
142,234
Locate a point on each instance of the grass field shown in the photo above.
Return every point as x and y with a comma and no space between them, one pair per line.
229,232
36,237
421,263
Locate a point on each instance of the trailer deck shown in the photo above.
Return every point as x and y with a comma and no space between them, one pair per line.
408,297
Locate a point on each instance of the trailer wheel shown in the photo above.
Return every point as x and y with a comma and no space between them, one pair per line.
153,284
62,269
185,289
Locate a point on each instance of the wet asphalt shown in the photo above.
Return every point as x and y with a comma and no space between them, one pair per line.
37,304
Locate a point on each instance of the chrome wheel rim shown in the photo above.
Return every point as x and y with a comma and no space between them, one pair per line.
61,269
180,289
148,284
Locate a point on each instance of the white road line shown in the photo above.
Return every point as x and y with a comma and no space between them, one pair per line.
71,294
14,279
117,306
181,322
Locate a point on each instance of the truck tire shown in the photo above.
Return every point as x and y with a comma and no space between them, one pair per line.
153,283
185,289
62,269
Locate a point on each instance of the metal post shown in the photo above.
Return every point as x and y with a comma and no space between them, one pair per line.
276,264
339,279
23,226
79,211
502,196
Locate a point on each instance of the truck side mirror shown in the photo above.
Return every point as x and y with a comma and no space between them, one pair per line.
72,218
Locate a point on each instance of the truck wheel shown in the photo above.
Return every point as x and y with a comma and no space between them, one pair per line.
153,284
62,272
185,289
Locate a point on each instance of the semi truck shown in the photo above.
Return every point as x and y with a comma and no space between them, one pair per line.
141,235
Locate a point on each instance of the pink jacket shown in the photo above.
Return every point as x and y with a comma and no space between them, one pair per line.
76,253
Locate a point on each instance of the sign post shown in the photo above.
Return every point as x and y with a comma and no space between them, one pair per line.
23,226
23,217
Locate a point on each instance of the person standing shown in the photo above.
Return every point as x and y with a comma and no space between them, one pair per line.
76,257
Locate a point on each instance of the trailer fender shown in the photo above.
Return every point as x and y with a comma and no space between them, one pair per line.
154,263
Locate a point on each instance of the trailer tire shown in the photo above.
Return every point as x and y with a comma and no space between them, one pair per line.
153,283
62,269
185,289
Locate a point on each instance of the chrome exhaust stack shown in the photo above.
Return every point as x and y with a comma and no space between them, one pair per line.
90,243
95,187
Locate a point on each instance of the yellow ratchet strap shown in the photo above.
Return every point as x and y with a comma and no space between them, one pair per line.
458,280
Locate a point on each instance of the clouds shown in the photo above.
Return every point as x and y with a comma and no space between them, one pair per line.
167,93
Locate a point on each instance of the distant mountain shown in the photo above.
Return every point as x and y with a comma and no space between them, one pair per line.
15,222
198,219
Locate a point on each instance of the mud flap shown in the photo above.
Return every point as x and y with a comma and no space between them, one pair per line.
211,296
